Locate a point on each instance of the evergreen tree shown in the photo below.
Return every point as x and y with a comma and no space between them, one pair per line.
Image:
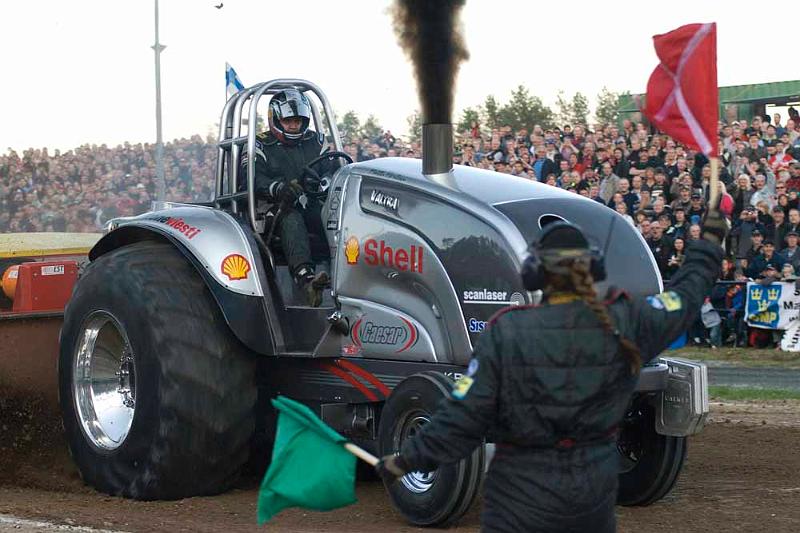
349,126
490,111
525,111
371,129
607,106
564,106
580,109
468,116
414,127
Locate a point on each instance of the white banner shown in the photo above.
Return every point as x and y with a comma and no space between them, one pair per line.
791,338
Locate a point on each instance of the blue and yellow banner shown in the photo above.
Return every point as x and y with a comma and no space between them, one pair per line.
772,306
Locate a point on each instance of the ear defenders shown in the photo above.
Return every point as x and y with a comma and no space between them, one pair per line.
533,268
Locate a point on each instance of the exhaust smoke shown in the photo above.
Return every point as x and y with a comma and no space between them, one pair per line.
429,31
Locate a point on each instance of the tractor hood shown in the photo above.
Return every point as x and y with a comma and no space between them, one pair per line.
485,185
518,208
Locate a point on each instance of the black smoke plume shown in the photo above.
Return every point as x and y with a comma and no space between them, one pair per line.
430,33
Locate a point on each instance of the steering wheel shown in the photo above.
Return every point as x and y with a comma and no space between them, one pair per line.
311,180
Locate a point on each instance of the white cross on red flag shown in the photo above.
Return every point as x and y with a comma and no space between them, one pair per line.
682,99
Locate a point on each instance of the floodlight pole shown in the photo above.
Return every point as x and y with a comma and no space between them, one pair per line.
162,184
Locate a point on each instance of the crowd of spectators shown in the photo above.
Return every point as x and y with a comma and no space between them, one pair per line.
79,190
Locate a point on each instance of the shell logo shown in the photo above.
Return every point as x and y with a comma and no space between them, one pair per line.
351,250
235,267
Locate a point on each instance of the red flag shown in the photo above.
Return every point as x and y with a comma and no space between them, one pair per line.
682,99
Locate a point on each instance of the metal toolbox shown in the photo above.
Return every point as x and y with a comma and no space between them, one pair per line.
682,407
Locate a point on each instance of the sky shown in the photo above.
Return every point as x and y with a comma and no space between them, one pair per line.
83,71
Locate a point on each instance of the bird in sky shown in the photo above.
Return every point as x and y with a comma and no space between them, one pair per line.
220,5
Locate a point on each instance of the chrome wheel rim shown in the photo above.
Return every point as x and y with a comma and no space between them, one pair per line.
104,381
416,482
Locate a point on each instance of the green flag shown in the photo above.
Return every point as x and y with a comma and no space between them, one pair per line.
310,467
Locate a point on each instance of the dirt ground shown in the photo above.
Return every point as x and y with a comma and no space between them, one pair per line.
742,474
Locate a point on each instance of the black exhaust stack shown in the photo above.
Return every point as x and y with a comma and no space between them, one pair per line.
429,31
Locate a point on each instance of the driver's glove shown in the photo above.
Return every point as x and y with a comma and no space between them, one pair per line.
715,227
391,467
286,192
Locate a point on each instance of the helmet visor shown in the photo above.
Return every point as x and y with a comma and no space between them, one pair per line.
293,108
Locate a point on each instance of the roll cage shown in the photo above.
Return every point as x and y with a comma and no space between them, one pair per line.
231,139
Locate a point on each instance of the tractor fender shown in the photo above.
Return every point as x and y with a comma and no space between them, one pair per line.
223,253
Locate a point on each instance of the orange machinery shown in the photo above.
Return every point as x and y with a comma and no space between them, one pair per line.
37,274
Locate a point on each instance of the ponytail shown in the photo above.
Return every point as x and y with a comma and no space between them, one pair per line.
581,282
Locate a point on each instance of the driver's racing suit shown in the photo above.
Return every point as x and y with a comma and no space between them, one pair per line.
283,162
548,386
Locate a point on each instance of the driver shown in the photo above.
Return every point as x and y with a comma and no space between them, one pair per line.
281,155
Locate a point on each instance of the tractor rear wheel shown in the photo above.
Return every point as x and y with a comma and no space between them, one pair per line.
156,393
434,498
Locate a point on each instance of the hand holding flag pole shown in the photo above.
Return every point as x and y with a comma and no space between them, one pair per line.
682,95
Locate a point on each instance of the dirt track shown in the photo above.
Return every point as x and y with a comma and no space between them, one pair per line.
742,474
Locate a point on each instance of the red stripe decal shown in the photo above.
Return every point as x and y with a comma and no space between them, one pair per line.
354,334
355,369
351,380
510,308
412,338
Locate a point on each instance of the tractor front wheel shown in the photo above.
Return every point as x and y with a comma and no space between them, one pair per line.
433,498
649,462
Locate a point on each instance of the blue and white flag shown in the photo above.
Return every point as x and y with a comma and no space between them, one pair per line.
232,82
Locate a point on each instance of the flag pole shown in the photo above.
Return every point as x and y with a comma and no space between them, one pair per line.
713,194
361,453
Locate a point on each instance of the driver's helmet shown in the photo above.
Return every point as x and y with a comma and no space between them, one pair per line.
287,104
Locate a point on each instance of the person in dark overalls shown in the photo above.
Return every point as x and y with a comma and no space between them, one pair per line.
281,155
549,385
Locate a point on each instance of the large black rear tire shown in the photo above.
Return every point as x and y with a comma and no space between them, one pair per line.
184,385
441,497
650,462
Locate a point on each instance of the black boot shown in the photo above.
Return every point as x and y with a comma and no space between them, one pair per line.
312,284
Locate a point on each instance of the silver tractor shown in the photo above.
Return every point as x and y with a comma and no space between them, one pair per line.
186,322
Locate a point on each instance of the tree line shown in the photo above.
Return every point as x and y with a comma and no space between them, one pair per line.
521,110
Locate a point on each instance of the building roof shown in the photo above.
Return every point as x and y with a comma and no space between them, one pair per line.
779,93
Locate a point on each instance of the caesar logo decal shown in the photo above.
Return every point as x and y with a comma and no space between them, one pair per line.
384,200
402,336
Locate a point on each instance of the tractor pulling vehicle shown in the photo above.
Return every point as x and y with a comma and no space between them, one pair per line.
186,322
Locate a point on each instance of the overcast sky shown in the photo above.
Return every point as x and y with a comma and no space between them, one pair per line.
82,71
